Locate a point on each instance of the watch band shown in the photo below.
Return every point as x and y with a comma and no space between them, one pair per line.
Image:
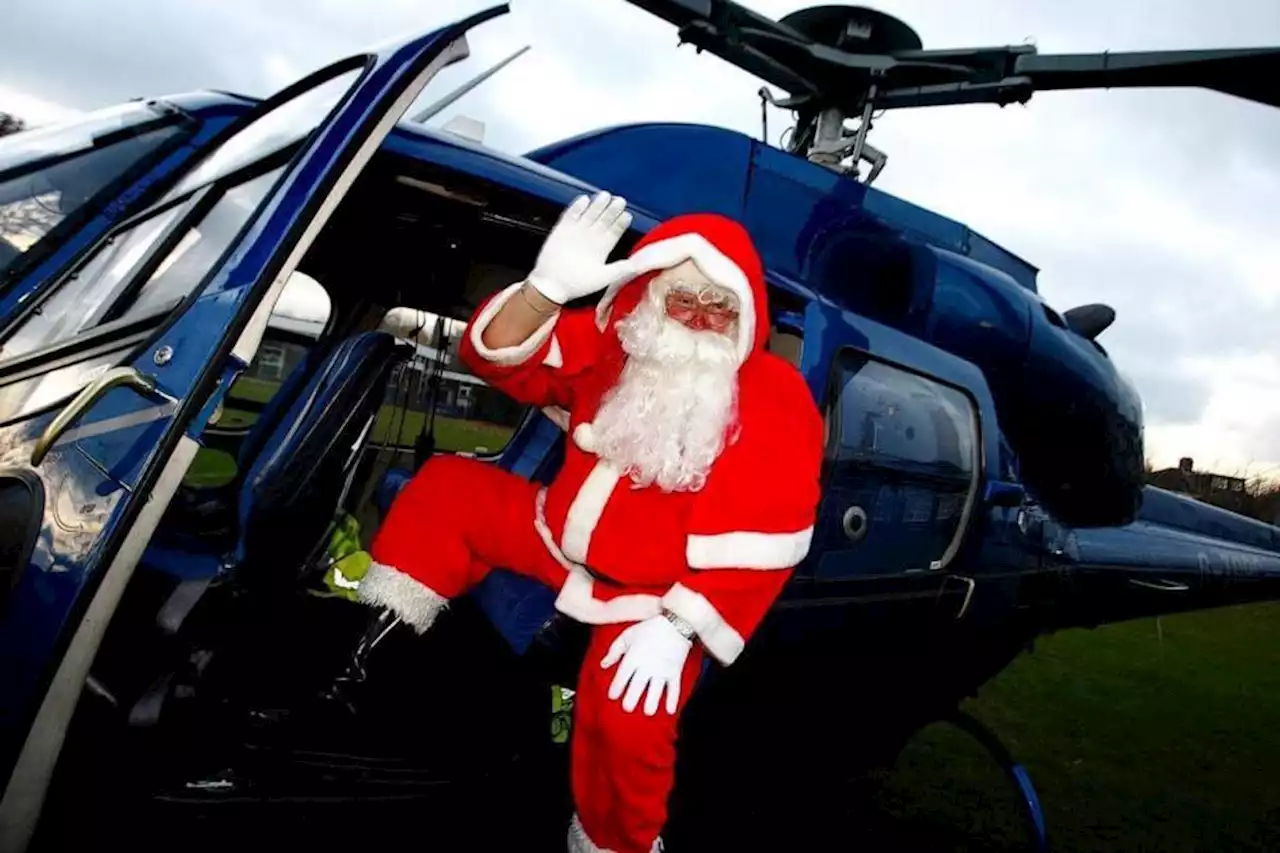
543,312
684,626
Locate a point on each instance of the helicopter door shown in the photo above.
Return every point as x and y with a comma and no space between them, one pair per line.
903,470
151,328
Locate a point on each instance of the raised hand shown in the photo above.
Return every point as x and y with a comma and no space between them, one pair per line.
571,262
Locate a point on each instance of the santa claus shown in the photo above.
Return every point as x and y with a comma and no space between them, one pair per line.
687,494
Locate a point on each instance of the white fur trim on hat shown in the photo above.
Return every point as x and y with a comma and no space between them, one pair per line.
715,265
584,435
520,353
414,602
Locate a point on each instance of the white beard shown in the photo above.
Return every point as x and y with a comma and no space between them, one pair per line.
667,419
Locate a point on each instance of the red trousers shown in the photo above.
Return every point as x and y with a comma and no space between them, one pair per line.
473,517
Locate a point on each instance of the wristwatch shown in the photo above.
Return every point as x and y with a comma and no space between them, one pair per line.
684,626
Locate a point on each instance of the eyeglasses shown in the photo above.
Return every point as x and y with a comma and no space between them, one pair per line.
716,310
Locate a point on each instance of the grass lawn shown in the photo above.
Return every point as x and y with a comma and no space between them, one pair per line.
213,467
452,434
256,390
1140,736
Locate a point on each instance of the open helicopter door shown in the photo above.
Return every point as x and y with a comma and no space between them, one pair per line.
909,428
151,328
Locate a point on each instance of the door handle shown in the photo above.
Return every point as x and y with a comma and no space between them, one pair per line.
116,377
970,585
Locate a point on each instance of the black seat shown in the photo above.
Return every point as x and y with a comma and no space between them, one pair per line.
305,462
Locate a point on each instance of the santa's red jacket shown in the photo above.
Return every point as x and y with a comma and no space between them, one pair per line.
717,557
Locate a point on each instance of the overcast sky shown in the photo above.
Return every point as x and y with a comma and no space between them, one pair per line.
1164,204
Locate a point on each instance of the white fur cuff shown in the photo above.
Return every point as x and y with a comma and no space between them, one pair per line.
520,353
717,635
416,603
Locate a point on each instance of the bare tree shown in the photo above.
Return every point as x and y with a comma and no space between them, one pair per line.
10,124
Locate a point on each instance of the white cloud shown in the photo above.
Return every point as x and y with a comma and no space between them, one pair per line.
34,110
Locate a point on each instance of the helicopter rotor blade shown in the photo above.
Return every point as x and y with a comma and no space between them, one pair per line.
1250,73
751,59
715,26
835,55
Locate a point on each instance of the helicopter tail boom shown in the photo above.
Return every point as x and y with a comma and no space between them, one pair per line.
1179,555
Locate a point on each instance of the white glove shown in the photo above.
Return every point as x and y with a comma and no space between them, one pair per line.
653,653
571,262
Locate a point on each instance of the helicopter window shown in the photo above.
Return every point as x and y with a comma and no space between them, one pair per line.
298,319
273,131
891,417
30,393
435,392
60,174
197,251
904,457
786,344
105,290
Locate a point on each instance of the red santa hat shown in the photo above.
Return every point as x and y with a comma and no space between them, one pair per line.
721,248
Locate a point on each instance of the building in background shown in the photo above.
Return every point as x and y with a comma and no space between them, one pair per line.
459,393
1218,489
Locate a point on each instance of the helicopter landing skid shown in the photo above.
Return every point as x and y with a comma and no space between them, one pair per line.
1019,778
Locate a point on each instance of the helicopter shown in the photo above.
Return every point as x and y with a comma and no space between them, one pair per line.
167,661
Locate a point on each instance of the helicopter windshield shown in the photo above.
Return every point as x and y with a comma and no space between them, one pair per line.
53,174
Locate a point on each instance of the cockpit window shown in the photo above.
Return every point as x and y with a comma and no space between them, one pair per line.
271,132
48,175
107,287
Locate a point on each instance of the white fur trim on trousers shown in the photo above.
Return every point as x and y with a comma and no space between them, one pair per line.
414,602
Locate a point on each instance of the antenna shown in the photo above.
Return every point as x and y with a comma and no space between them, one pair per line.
448,100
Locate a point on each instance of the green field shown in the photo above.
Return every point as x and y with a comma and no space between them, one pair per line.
452,434
393,425
1158,735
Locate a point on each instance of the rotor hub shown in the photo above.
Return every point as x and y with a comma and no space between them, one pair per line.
855,29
